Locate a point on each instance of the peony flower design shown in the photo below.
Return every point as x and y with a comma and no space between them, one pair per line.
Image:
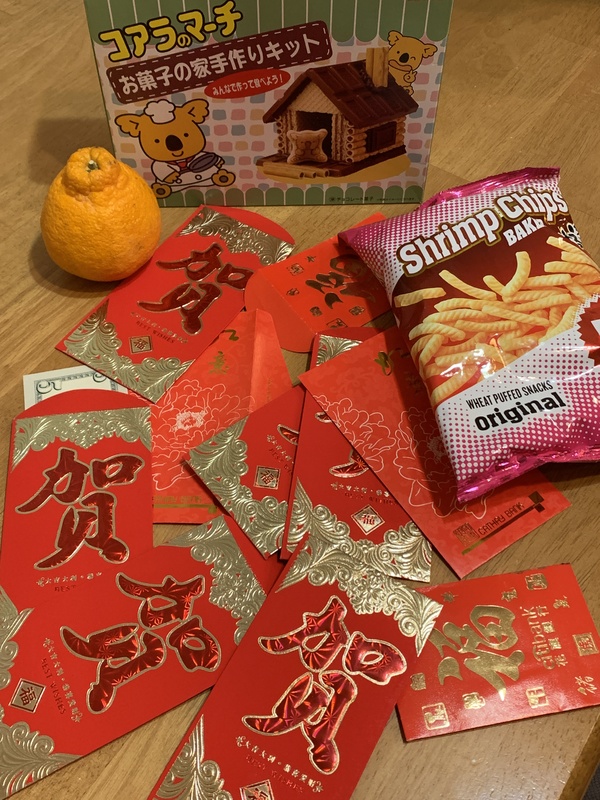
187,415
365,431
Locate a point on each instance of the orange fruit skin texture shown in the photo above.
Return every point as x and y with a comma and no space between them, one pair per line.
100,219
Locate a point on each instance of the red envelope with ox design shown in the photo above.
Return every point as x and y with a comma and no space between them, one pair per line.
240,371
377,399
133,645
327,286
248,467
154,325
312,685
78,495
504,648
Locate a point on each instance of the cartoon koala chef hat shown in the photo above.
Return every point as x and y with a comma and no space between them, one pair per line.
160,111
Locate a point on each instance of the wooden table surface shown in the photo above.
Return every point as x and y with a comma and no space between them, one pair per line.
521,87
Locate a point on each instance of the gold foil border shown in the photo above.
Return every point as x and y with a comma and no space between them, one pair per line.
329,556
95,342
221,463
190,776
332,346
84,429
404,553
234,586
238,237
11,622
26,757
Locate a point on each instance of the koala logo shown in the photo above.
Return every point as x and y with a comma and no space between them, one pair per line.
405,56
170,135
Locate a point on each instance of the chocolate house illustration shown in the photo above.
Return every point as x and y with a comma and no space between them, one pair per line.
338,119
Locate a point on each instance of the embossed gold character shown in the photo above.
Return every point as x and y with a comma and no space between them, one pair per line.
317,701
482,641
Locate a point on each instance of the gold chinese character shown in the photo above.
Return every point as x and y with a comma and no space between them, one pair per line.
418,682
435,716
473,700
536,581
537,697
586,646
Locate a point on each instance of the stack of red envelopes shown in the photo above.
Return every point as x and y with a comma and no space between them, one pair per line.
312,507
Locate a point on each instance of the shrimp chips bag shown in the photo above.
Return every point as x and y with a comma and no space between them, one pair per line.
500,307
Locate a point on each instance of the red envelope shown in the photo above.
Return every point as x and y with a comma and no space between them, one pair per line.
241,371
153,326
505,647
311,687
377,399
327,286
330,473
133,646
249,466
78,495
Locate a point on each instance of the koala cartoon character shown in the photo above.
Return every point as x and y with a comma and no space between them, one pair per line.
170,135
405,56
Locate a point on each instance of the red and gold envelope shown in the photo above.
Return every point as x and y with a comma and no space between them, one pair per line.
312,685
377,399
239,372
154,325
249,465
327,286
78,495
331,475
78,675
504,648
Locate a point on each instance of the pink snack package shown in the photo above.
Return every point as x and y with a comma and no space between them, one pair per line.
500,307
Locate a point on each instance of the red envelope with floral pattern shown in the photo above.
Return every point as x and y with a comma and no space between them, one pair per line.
154,325
331,475
78,494
242,370
327,286
505,647
312,685
136,643
248,467
377,399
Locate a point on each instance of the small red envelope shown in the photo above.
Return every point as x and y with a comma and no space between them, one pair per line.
132,646
327,286
504,648
241,371
248,467
375,396
154,325
78,495
312,685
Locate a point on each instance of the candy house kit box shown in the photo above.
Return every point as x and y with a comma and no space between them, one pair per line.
272,102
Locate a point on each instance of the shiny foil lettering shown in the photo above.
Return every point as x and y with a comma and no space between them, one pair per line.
481,644
317,701
165,622
192,299
89,516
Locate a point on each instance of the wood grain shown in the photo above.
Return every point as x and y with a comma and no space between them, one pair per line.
520,88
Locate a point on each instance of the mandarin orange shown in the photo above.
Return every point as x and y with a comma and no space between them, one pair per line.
100,219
